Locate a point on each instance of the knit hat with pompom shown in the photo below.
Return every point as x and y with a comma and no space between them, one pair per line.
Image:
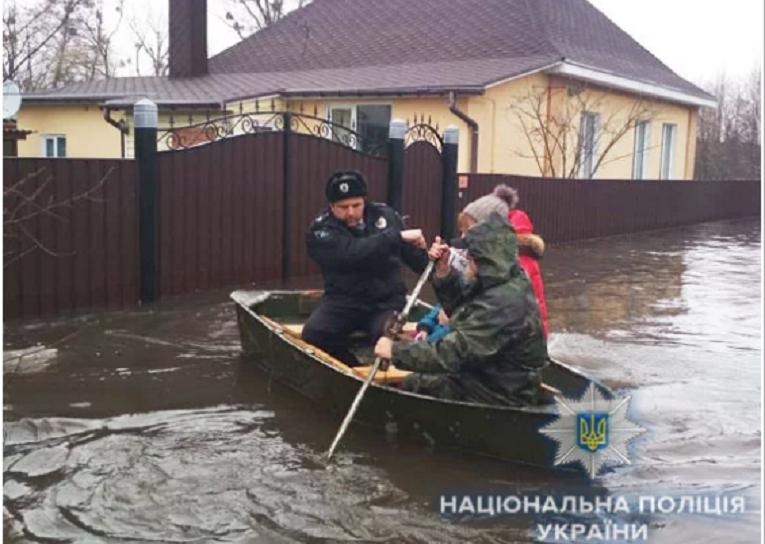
501,200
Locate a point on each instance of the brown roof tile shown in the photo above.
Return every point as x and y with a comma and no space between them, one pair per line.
398,46
355,33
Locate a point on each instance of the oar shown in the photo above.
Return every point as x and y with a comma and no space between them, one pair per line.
394,331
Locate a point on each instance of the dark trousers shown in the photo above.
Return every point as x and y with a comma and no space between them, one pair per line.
330,325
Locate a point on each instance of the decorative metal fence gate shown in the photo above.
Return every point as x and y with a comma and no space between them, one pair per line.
237,193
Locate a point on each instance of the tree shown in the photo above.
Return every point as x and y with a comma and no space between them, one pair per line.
50,43
34,39
563,140
100,60
151,39
249,16
729,145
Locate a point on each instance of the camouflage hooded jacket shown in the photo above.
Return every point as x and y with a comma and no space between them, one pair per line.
496,329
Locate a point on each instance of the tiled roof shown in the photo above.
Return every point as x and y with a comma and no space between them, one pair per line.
464,76
354,33
357,47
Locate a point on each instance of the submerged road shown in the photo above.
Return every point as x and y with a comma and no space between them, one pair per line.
145,426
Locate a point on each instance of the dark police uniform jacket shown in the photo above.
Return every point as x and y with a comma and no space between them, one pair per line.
363,265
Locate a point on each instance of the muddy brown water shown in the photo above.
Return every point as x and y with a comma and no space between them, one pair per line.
146,426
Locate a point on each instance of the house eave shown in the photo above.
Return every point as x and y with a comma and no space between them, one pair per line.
608,79
527,73
381,93
114,102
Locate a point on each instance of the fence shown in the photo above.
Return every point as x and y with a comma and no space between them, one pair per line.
566,210
69,235
234,211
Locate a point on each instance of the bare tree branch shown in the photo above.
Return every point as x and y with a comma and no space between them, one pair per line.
151,38
21,206
729,145
554,135
248,16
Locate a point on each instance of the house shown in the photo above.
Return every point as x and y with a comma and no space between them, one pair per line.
544,87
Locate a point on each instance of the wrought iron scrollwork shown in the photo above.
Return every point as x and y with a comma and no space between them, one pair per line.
255,120
424,132
210,130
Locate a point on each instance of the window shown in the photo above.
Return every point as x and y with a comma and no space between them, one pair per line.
53,146
640,160
374,126
668,137
370,121
588,140
342,116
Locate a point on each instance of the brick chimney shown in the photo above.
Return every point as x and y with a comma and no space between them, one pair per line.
188,38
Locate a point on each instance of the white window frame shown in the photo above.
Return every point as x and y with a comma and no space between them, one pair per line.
353,106
43,145
341,106
668,162
582,173
642,157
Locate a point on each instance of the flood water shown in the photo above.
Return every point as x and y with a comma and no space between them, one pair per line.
145,425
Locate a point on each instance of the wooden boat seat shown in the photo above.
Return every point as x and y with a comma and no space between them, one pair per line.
392,376
297,329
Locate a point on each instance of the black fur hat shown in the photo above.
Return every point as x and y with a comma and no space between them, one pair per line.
346,184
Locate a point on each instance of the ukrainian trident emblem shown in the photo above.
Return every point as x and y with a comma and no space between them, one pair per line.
592,430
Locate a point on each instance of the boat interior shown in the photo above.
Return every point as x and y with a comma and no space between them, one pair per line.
361,346
287,312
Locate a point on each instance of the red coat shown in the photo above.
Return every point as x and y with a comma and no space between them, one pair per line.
530,249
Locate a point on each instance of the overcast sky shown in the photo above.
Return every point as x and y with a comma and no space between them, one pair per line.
698,39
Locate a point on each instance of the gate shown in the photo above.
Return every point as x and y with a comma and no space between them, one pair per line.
216,203
237,193
424,178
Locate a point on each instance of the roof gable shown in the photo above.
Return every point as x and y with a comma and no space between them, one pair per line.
352,33
356,33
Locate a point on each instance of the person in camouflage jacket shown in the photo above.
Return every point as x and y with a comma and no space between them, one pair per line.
496,349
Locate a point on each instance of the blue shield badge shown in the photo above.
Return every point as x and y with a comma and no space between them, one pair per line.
593,430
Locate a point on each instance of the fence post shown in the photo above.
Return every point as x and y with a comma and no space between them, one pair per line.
396,154
286,196
147,169
449,157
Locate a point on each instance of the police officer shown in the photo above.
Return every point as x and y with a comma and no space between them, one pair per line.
359,246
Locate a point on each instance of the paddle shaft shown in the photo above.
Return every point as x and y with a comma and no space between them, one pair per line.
396,329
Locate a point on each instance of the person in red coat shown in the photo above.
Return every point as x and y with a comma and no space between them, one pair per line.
531,247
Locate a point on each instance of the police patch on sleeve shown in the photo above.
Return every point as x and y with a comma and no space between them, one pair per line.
321,234
381,223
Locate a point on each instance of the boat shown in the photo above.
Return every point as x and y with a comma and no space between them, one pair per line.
270,323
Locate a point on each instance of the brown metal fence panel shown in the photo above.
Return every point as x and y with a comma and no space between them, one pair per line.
221,213
70,234
423,186
312,161
565,210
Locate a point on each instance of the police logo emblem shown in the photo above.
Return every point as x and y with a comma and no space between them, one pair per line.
344,188
592,431
381,223
321,234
